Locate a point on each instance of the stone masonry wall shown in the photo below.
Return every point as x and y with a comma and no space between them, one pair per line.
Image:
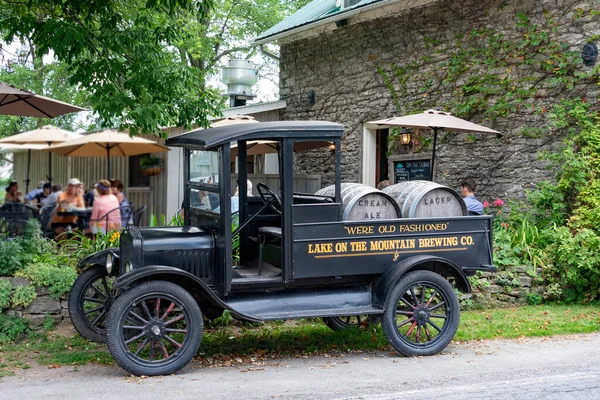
341,66
43,305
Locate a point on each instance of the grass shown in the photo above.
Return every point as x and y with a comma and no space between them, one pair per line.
251,343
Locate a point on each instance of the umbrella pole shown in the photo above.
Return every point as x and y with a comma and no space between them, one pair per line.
49,165
28,168
435,132
108,163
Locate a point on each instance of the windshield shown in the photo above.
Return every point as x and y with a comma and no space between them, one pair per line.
204,167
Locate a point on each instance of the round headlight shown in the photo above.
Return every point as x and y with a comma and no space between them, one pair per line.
109,263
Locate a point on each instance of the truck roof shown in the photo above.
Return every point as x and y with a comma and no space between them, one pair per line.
213,137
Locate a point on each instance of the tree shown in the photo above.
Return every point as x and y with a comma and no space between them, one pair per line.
121,55
143,64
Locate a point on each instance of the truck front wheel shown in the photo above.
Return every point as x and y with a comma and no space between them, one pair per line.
90,299
154,328
421,314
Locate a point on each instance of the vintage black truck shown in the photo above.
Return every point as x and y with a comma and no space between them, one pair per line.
298,257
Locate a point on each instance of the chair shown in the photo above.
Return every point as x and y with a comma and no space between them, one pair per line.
14,218
125,213
45,217
137,215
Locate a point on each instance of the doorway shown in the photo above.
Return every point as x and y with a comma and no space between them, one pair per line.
381,159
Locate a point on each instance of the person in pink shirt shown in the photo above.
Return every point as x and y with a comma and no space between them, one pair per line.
106,215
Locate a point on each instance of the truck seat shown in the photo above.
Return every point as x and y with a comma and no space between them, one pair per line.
270,235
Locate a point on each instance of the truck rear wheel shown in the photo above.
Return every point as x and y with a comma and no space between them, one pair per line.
90,299
155,328
421,315
341,323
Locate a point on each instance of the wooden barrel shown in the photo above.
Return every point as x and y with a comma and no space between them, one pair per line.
362,202
425,199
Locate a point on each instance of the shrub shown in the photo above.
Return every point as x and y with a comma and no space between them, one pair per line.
12,328
23,295
576,263
5,292
18,252
58,278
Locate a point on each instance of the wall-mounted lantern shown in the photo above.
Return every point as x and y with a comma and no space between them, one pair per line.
405,138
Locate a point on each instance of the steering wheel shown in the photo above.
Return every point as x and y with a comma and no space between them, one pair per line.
269,197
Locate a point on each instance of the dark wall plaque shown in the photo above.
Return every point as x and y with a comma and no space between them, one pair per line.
412,170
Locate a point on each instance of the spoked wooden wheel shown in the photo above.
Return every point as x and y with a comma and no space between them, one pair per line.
341,323
154,328
421,315
90,299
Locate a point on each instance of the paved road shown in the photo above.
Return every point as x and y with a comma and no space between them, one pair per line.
539,368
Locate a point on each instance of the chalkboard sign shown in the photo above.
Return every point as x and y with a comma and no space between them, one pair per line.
412,170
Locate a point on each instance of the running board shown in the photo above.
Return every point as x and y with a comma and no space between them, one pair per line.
326,302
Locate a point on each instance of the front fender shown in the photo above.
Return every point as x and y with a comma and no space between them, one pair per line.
98,258
439,265
180,277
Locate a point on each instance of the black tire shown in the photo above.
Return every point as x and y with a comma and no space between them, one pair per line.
341,323
90,299
148,338
421,315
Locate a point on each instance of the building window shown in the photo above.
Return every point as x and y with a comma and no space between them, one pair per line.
136,177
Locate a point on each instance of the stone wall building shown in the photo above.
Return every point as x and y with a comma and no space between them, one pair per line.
505,64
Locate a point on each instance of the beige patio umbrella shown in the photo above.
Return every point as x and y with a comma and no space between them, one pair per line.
16,148
44,136
23,103
109,143
436,120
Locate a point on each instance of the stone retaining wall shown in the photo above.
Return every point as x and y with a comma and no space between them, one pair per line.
518,286
42,305
502,289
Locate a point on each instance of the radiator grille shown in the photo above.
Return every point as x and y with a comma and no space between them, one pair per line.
196,262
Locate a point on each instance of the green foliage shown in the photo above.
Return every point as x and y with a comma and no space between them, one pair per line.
48,80
12,329
23,295
534,299
48,323
141,64
576,258
58,278
558,230
224,320
5,292
80,246
176,220
490,76
149,161
20,251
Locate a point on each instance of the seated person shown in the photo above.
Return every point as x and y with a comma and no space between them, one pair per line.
51,199
90,196
67,199
468,187
126,214
40,197
32,195
12,193
102,220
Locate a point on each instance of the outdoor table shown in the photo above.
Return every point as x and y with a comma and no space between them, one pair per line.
83,216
